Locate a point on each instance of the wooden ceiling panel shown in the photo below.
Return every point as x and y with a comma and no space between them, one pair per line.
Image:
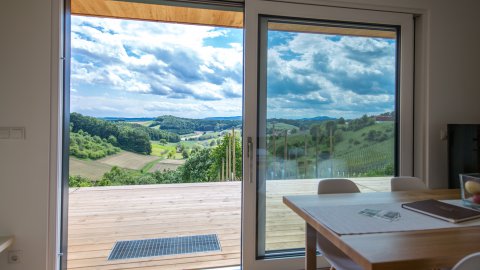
154,12
202,16
332,30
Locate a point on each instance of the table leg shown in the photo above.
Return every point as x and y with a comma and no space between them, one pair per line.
310,248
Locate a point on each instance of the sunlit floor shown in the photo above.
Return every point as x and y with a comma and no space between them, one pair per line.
100,216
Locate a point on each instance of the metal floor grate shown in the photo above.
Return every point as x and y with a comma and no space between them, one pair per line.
164,246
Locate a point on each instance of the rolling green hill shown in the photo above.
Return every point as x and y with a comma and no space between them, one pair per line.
365,148
296,148
182,126
128,136
83,145
368,154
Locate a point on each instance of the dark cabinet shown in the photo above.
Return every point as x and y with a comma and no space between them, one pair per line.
463,151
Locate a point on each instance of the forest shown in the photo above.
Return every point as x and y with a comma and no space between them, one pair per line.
127,136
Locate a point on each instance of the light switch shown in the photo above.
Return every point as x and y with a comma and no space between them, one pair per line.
12,133
17,133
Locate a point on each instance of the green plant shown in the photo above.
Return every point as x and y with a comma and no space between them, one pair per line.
79,181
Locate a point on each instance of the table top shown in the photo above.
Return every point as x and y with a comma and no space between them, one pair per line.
5,242
425,249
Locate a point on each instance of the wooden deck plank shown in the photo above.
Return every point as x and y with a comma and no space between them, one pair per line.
100,216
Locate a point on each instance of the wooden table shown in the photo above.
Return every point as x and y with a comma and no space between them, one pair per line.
5,242
427,249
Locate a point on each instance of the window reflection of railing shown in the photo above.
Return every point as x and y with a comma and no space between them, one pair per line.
296,155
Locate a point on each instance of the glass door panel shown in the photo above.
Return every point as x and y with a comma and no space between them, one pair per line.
328,93
326,109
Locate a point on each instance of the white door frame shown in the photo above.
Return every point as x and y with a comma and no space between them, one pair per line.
255,8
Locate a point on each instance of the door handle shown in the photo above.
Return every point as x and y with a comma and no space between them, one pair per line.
250,158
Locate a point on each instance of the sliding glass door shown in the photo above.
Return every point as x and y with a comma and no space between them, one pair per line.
328,94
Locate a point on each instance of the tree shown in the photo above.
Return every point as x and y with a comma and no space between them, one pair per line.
218,157
317,132
119,176
134,140
360,123
338,135
112,131
185,153
79,181
111,139
82,145
180,147
168,176
330,126
196,168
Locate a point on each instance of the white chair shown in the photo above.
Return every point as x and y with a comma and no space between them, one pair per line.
337,259
333,186
471,262
406,183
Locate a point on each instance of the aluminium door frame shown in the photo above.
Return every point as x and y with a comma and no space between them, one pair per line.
252,72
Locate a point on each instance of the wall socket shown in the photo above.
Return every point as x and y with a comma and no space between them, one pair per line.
14,256
443,134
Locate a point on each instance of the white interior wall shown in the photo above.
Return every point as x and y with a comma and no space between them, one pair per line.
451,96
25,39
454,92
449,93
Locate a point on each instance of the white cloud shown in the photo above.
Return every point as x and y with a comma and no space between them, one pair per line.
174,69
315,74
157,58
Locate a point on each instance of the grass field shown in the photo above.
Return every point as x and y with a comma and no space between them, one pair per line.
143,123
128,160
91,169
160,150
188,144
167,164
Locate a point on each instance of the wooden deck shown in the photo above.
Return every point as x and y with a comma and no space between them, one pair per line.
100,216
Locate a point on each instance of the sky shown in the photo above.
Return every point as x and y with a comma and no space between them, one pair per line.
128,68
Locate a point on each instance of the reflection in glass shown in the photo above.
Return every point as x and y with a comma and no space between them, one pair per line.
327,110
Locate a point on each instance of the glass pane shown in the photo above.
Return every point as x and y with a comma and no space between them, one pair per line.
327,110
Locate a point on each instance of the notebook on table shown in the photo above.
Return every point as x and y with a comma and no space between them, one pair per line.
441,210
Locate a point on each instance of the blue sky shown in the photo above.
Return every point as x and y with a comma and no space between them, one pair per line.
126,68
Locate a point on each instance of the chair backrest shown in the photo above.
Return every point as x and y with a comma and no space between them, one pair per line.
471,262
405,183
332,186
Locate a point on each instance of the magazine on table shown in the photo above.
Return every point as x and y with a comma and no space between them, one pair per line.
441,210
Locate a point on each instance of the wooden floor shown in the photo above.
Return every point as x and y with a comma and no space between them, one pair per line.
102,215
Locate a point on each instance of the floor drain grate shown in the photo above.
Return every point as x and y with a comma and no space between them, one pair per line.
164,246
